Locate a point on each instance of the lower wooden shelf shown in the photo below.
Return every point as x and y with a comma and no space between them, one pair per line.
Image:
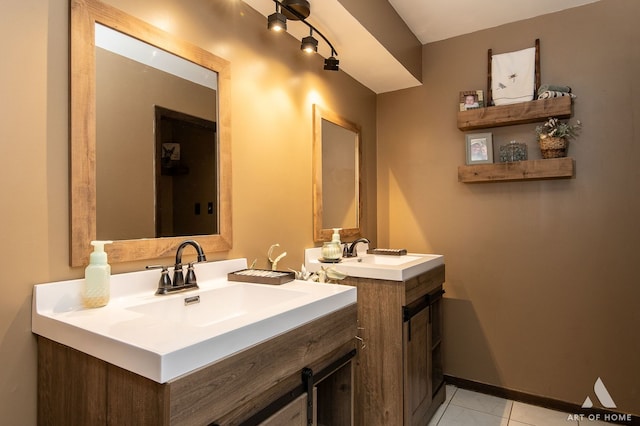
553,168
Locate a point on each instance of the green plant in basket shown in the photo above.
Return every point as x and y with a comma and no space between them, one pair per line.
554,128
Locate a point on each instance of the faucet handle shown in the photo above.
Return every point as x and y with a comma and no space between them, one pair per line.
191,275
165,281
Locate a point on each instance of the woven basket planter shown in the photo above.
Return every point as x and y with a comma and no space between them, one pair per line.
553,147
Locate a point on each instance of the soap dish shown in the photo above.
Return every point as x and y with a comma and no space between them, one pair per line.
261,276
388,252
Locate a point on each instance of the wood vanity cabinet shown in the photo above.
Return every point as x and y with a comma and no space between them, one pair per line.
297,378
399,378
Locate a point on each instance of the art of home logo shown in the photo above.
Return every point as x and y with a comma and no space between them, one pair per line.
603,396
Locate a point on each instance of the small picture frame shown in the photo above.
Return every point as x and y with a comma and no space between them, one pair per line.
471,99
171,151
479,148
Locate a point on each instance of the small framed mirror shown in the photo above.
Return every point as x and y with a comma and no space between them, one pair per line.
336,175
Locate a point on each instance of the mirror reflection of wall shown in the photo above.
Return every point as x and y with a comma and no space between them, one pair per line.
128,88
339,176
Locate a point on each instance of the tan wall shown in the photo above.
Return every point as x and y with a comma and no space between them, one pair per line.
542,286
273,87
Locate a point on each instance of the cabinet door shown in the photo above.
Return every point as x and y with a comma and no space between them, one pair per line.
417,371
292,414
333,398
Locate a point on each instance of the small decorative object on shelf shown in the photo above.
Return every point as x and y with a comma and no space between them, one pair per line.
471,99
554,135
547,91
513,151
479,148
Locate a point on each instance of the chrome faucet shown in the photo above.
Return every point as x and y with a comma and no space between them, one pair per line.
350,249
180,283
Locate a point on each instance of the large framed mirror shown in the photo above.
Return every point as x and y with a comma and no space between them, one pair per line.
150,139
337,166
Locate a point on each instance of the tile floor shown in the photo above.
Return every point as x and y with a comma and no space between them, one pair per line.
466,408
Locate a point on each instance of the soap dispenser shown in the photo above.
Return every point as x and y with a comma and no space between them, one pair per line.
332,251
96,291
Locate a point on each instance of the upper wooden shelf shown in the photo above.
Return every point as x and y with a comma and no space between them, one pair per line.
553,168
520,113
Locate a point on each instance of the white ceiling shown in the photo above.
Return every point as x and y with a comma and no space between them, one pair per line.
433,20
369,62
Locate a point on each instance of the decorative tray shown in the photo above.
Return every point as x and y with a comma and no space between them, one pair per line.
388,252
261,276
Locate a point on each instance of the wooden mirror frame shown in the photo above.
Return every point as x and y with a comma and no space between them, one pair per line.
84,15
319,232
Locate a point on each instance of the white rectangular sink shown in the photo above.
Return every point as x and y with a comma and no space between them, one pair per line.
215,305
382,267
164,337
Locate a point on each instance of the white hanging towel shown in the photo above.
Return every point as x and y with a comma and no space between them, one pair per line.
513,76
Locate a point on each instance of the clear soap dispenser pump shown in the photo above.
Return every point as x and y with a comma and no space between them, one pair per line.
97,275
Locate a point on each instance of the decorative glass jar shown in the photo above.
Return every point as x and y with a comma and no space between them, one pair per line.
513,151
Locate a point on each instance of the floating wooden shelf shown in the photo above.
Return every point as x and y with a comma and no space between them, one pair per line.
554,168
520,113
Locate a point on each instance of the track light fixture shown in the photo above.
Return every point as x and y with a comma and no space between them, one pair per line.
309,44
299,10
331,63
277,21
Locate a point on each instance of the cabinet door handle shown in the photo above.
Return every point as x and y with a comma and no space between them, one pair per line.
307,383
414,308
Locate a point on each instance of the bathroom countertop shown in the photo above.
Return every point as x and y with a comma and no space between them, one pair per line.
376,266
159,337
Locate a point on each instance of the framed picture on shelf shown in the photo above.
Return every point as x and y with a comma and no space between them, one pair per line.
471,99
479,148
